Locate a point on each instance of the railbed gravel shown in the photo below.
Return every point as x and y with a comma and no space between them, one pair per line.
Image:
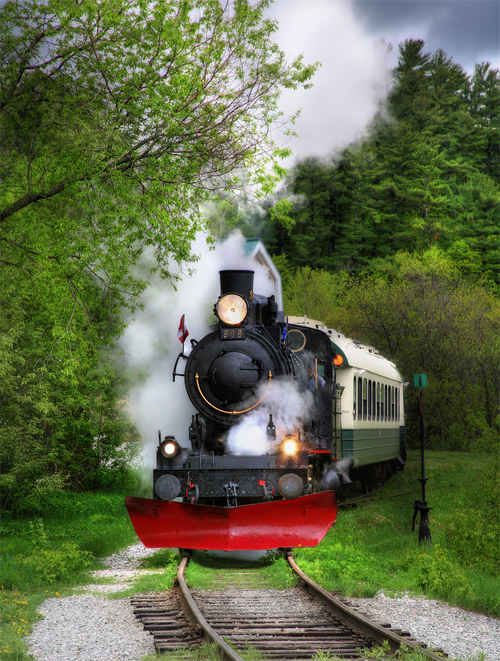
92,627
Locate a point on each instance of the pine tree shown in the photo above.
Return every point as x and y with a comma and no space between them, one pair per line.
485,108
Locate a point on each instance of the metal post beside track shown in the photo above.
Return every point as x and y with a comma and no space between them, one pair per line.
424,534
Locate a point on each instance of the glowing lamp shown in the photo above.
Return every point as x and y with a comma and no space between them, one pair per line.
289,446
232,309
338,360
170,448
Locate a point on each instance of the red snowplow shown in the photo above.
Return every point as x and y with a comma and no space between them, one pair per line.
302,521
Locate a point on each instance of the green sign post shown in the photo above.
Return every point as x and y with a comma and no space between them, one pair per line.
420,381
424,535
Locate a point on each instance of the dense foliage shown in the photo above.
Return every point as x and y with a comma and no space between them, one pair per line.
429,319
427,175
397,242
117,120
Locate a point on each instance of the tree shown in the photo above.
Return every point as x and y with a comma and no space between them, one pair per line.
315,294
477,211
428,318
118,119
62,392
485,107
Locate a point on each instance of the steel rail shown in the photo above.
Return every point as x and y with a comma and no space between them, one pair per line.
195,614
355,620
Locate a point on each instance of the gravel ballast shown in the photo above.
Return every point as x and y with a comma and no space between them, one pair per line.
89,628
92,627
460,634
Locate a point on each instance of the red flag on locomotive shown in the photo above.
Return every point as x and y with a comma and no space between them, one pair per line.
183,332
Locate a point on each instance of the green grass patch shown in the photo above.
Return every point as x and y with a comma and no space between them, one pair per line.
41,556
211,572
372,547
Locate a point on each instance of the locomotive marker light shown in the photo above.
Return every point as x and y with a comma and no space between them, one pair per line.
170,448
289,445
424,535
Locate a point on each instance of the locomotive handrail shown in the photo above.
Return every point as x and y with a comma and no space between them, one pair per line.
175,373
197,377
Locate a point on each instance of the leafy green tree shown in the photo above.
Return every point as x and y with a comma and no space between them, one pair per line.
430,319
315,294
62,392
119,119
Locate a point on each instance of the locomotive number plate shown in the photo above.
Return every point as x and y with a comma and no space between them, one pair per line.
232,333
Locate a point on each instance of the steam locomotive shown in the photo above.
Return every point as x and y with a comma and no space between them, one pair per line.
288,412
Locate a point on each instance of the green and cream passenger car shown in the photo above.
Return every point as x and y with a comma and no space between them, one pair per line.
368,407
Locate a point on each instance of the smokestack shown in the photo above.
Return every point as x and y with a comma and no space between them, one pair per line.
237,282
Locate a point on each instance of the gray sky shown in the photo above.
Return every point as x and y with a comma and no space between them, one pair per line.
344,35
467,30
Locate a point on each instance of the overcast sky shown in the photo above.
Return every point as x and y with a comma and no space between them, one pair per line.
344,35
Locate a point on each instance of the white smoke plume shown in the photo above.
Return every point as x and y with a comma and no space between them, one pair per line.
349,88
151,345
289,409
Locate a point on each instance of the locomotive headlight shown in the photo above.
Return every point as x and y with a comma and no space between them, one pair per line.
232,309
289,446
170,448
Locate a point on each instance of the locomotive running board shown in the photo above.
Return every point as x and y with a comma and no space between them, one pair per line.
277,524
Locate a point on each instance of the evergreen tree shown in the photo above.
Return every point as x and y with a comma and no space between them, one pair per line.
485,108
478,212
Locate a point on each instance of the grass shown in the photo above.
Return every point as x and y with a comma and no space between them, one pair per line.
273,572
166,560
41,557
371,548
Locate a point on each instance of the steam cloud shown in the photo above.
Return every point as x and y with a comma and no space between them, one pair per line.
288,407
350,87
151,345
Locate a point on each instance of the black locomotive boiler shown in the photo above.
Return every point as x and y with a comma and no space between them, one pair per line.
255,469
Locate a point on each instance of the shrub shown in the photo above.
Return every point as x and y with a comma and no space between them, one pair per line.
49,565
473,535
434,573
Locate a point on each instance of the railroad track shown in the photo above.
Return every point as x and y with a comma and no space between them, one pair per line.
280,624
